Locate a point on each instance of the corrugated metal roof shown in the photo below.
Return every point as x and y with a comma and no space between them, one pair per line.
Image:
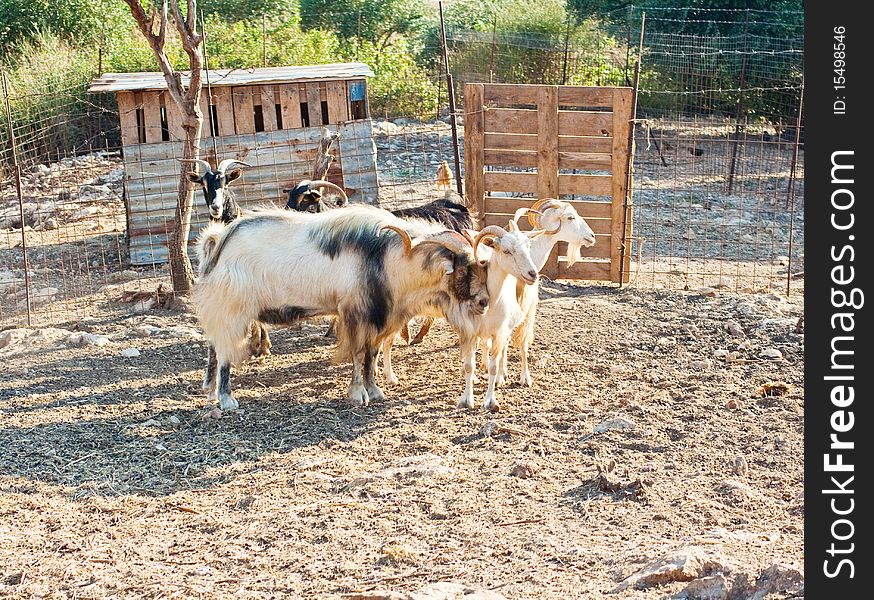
115,82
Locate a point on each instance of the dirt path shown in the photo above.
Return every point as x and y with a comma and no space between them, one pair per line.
638,438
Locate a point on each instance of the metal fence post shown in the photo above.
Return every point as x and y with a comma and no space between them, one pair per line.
451,95
740,106
17,171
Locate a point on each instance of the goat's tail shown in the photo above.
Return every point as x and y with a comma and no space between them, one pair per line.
209,245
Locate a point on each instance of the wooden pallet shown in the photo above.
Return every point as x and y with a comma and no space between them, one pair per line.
547,141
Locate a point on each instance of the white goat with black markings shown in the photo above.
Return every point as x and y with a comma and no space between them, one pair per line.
278,266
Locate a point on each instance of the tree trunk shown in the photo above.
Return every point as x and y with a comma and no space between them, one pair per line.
181,272
187,99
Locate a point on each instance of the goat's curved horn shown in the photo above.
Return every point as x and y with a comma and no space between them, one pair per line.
492,231
222,167
522,211
199,161
330,186
449,239
538,208
405,237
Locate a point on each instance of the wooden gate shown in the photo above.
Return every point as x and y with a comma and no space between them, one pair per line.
547,141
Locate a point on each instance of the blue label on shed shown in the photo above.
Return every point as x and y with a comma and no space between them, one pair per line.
356,90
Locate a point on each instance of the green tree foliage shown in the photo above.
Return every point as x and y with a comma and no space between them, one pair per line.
375,21
80,21
240,10
701,17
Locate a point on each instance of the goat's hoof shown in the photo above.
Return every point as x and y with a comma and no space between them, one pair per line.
491,405
357,396
375,394
465,401
415,341
525,380
228,402
499,379
391,379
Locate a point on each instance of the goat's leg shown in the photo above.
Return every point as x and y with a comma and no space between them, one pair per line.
405,332
373,391
332,328
209,374
502,365
491,402
264,346
225,397
468,359
525,377
423,331
357,393
259,341
387,371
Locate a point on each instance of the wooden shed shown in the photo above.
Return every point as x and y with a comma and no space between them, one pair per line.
270,118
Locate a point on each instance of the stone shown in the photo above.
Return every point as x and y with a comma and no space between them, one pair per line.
700,365
525,470
614,424
707,292
174,420
684,564
739,467
734,329
770,354
84,338
489,428
720,353
129,353
713,587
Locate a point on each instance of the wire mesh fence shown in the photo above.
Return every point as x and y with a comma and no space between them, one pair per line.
718,167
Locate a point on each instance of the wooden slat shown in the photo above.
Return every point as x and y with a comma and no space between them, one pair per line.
127,112
244,110
174,118
504,181
579,123
585,185
267,100
338,102
622,100
601,227
152,116
567,95
529,158
236,146
224,108
585,208
593,270
566,143
547,140
206,128
473,147
289,102
314,104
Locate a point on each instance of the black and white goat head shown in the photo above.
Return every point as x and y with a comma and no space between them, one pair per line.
220,200
308,196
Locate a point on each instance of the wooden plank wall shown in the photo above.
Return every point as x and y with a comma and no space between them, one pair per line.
258,124
567,142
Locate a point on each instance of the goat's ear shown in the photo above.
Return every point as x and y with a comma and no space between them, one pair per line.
233,174
448,265
490,242
316,194
193,177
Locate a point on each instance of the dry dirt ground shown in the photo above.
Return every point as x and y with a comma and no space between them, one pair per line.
639,437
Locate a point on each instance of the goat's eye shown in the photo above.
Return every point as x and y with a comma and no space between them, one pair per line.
571,217
506,251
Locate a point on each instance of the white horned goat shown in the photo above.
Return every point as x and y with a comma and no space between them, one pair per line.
559,222
510,263
278,266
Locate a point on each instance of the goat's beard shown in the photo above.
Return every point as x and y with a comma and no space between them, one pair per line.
573,254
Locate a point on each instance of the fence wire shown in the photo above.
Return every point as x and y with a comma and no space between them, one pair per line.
717,191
